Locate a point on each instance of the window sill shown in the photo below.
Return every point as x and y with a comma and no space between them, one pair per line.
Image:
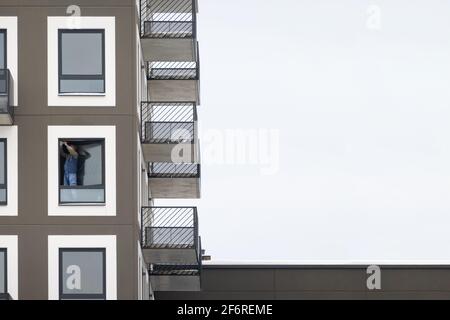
87,204
80,94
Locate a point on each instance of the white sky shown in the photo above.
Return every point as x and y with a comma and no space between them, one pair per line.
363,116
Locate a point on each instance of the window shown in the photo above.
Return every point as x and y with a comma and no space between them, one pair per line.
82,273
3,172
3,64
81,61
3,271
82,171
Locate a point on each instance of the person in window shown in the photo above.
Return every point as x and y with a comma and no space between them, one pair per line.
70,153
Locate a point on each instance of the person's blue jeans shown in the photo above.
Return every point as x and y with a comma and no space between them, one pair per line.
70,179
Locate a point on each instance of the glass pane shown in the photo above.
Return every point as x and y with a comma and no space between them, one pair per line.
176,236
3,103
82,195
2,272
2,50
82,86
2,162
90,164
3,91
170,131
2,195
176,28
87,168
82,53
3,82
82,272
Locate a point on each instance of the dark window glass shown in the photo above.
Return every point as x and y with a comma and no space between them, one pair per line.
82,61
3,275
82,273
2,49
3,177
82,171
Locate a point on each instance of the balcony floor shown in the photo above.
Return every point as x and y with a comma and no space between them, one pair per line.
175,283
185,255
175,188
174,90
162,152
168,49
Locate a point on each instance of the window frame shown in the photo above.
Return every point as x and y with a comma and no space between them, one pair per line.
87,296
5,203
61,31
5,251
102,185
5,46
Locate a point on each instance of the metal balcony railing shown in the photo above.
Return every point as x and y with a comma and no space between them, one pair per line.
168,18
6,93
172,269
173,170
168,122
170,228
5,296
169,70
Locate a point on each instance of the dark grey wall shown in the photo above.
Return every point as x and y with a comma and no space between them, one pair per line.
33,224
317,282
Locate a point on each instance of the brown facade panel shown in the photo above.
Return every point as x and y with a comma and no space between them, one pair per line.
317,282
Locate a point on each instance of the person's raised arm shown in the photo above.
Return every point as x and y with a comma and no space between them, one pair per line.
71,150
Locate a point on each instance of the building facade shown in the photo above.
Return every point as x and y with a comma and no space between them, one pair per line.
98,119
319,282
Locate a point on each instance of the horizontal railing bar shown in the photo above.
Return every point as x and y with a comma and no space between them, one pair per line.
169,122
171,21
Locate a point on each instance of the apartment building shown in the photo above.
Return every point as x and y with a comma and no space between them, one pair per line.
98,114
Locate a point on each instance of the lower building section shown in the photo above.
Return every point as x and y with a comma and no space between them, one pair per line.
61,262
102,261
272,282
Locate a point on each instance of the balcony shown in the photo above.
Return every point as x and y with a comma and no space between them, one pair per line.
170,235
168,29
5,296
169,131
174,81
6,98
175,277
174,180
172,247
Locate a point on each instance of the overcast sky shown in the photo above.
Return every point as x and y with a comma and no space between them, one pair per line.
359,93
